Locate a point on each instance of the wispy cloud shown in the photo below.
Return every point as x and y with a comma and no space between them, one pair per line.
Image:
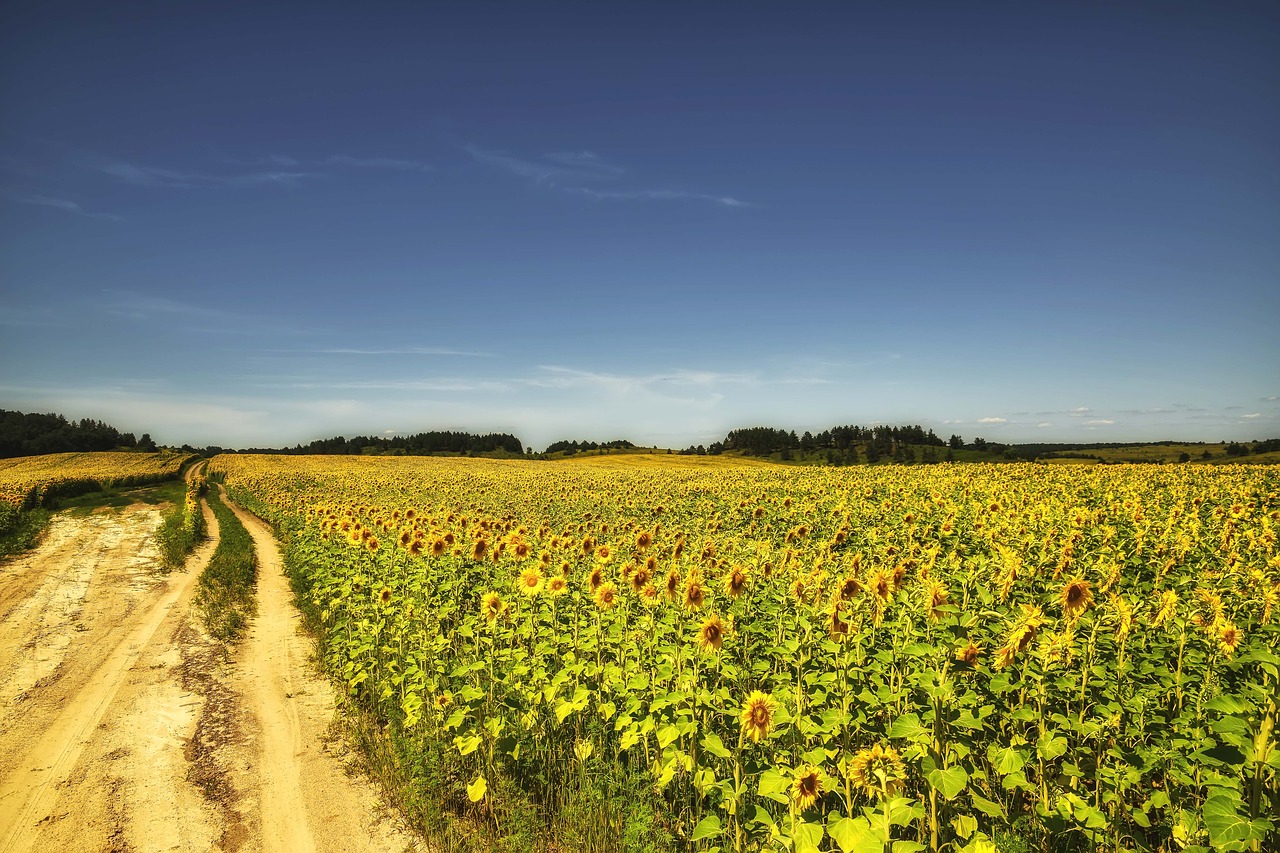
566,171
661,195
552,169
57,204
1099,422
152,176
444,351
378,163
1252,415
993,420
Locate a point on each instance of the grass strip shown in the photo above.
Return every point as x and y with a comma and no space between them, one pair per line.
225,597
182,528
20,529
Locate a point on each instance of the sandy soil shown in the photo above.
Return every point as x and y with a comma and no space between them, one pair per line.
125,727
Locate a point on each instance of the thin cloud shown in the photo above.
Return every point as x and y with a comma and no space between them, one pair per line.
1252,415
378,163
540,172
57,204
661,195
398,351
1100,422
587,160
151,176
566,171
993,420
1043,425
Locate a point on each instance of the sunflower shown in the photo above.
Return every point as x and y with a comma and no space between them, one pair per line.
849,587
806,788
881,586
694,594
557,586
1076,597
1166,608
969,654
604,554
478,548
639,579
644,540
1020,635
384,596
735,583
372,544
757,715
711,634
530,581
878,771
416,547
1124,617
1229,637
595,579
606,595
836,626
649,595
673,584
438,547
443,700
935,600
492,606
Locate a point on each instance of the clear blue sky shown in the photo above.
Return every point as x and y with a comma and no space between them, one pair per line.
266,225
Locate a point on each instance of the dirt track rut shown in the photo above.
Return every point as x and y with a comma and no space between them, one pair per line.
125,727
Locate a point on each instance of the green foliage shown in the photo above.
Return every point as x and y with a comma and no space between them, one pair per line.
225,596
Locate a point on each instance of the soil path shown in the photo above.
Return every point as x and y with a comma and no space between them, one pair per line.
125,727
310,799
94,716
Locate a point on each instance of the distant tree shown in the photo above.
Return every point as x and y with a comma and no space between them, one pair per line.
979,444
955,442
146,444
1184,457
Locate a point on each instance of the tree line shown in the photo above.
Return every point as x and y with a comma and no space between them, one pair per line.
419,444
37,434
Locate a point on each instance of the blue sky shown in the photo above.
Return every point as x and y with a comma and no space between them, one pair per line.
1029,222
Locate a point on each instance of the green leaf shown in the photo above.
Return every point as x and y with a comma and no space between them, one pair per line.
455,719
988,807
1227,828
808,836
712,744
965,825
855,835
708,827
467,745
667,735
477,789
909,726
1051,746
563,710
773,785
1008,760
949,782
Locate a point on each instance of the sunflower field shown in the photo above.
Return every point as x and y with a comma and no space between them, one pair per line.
724,657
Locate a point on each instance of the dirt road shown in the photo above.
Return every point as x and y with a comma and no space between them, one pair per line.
125,727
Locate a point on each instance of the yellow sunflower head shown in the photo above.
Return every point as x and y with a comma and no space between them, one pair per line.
806,787
606,595
757,715
530,581
711,634
1076,597
492,606
878,772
